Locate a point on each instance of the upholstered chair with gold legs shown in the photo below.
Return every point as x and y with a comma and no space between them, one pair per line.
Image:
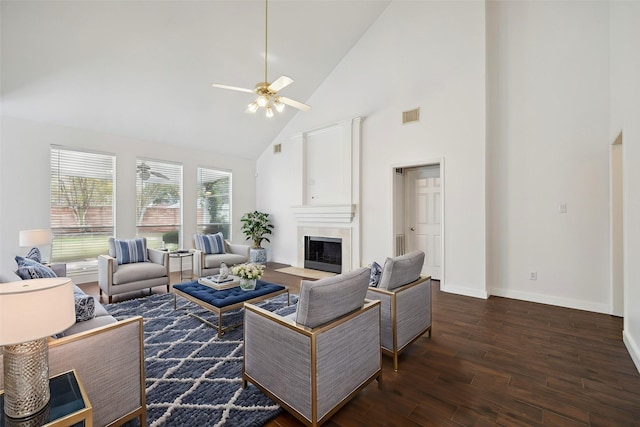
405,299
212,250
131,266
313,361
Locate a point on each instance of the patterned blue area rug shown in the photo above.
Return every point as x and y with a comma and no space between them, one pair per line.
194,378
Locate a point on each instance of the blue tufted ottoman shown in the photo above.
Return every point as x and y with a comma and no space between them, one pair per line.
224,300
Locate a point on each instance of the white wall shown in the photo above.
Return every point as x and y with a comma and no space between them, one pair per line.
548,98
625,111
25,168
418,54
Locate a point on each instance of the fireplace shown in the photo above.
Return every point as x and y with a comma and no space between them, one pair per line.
323,253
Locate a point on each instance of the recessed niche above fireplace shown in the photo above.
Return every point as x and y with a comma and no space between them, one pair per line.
323,253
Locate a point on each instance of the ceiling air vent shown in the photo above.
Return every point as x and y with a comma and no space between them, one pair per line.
411,116
277,148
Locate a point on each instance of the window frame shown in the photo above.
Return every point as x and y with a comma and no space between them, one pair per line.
203,227
95,242
157,233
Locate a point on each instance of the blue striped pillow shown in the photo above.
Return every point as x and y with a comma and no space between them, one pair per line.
210,243
130,251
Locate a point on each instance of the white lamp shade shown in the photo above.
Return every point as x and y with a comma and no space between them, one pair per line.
34,309
35,237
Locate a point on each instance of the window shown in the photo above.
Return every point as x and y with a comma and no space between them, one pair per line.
159,202
214,202
82,209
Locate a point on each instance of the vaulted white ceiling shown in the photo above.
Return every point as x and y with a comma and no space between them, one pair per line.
144,69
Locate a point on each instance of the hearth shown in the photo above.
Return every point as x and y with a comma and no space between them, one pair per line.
323,253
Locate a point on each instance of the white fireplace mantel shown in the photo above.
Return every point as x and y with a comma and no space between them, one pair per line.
324,214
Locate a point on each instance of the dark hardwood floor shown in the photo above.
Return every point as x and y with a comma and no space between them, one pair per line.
497,362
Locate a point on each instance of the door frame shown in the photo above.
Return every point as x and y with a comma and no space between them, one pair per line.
397,198
616,228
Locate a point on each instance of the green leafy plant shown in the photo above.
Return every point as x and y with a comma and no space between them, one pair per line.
256,225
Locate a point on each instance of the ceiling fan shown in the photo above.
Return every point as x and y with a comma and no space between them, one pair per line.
268,97
145,172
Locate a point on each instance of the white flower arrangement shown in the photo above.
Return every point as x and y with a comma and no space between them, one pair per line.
248,271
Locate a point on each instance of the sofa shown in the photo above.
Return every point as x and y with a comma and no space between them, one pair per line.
314,361
108,356
206,263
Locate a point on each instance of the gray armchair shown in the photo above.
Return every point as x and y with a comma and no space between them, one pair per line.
208,264
315,360
114,278
405,299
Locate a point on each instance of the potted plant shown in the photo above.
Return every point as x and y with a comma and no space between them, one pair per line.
256,226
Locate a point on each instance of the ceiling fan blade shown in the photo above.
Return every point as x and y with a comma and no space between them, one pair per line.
294,104
240,89
280,83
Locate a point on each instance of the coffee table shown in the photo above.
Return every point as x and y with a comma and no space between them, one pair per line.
224,300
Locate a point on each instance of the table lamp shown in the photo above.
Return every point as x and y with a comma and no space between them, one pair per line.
31,311
35,238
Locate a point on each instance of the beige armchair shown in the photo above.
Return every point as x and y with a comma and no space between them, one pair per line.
315,360
405,299
114,278
209,264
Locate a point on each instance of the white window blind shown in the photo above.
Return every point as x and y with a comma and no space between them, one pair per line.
82,207
214,202
159,202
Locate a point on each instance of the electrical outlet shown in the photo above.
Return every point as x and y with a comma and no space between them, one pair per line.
533,275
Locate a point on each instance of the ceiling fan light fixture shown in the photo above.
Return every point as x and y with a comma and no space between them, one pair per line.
262,101
279,105
253,107
268,111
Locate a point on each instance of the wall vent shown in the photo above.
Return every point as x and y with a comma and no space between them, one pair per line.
399,244
277,148
411,116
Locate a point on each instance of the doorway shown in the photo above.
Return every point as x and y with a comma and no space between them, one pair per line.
418,214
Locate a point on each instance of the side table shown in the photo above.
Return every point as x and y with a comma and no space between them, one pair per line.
181,256
69,405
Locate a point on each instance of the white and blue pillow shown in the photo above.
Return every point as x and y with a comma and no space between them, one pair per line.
85,306
376,273
210,243
30,269
131,251
34,255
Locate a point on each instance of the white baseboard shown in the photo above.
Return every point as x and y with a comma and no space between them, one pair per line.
462,290
552,300
632,348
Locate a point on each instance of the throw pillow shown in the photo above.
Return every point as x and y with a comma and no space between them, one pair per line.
85,306
29,269
376,272
210,243
130,251
34,255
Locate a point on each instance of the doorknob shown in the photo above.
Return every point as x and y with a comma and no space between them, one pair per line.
412,229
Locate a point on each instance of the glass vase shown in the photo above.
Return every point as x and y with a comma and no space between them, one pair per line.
247,284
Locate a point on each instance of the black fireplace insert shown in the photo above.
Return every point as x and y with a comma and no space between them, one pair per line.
323,253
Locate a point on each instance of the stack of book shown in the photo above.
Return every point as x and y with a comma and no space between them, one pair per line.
216,283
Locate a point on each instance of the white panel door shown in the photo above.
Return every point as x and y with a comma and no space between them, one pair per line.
424,210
